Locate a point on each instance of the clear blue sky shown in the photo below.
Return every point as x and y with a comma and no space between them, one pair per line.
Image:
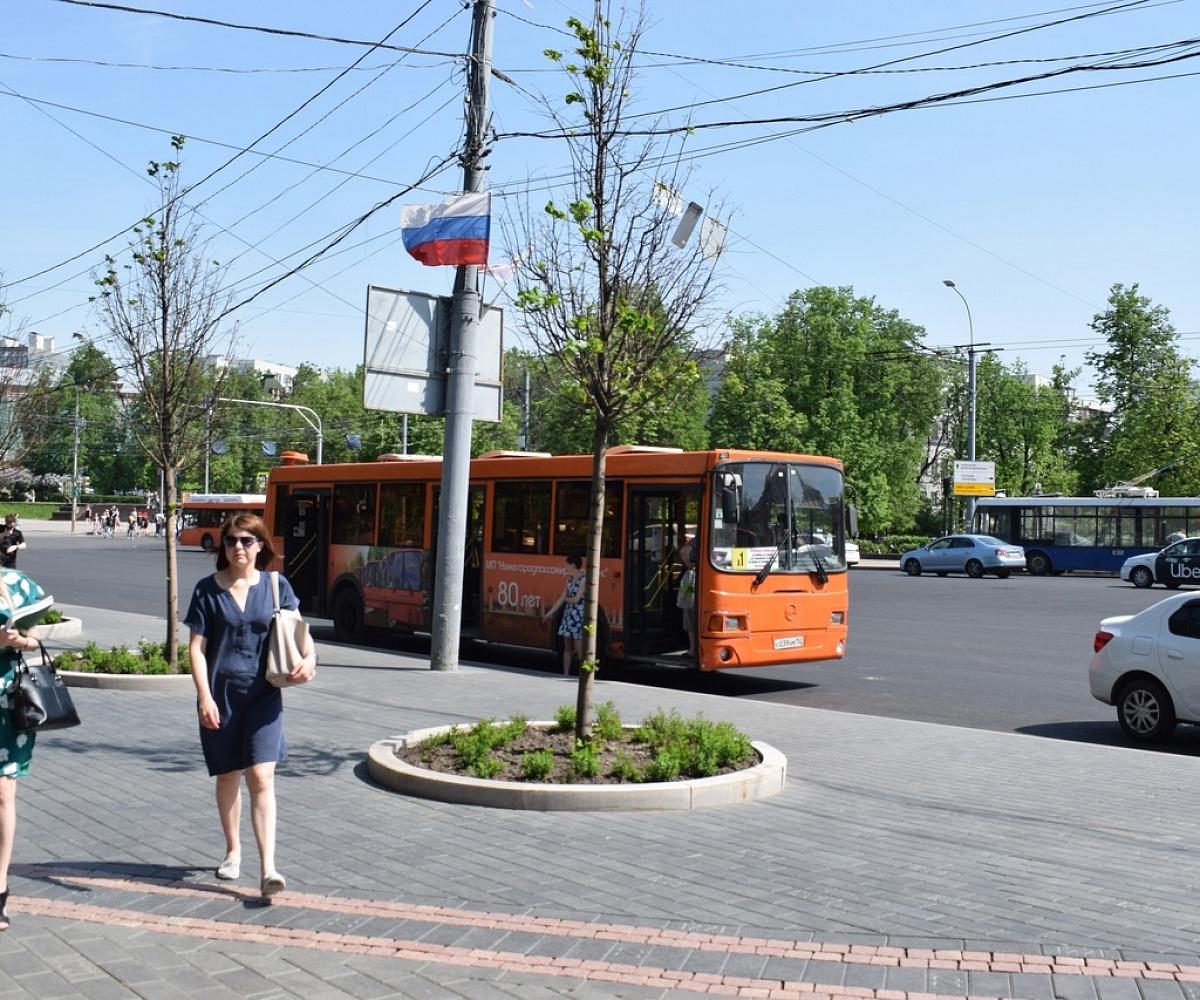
1035,199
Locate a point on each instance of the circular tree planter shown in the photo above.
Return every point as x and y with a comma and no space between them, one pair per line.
127,682
765,779
68,628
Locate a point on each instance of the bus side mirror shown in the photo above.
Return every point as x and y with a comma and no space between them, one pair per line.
852,521
731,488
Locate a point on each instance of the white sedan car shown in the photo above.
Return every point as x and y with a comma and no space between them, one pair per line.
1148,666
853,556
1177,563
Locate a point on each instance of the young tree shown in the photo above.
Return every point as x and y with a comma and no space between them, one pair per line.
162,311
605,294
1148,382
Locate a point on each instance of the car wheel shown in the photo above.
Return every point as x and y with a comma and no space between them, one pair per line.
974,569
1145,711
206,543
1039,564
1141,577
1003,574
348,617
912,568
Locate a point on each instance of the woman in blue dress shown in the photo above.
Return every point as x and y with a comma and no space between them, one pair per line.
570,628
19,596
241,714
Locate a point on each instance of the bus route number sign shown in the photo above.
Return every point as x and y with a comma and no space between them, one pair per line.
756,558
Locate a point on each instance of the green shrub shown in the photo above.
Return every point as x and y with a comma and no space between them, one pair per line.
149,658
476,744
666,766
488,767
52,617
536,765
564,718
608,722
624,769
693,748
584,761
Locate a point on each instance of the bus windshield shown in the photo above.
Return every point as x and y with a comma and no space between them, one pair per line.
777,517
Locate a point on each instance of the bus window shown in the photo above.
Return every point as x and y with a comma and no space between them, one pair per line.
353,514
571,518
281,503
521,518
402,515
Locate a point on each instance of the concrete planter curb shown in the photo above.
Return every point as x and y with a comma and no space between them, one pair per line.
68,628
759,782
127,682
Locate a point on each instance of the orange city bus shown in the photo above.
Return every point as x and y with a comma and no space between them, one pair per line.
202,514
358,543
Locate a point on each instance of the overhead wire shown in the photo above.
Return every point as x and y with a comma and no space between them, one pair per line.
244,150
281,32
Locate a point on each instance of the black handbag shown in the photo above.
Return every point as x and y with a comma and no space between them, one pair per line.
38,698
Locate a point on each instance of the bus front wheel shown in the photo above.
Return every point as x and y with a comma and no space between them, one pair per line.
1038,564
348,617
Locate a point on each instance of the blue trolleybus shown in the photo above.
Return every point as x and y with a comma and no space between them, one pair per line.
1085,534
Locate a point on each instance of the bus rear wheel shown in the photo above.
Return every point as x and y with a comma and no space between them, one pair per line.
1038,564
207,543
348,616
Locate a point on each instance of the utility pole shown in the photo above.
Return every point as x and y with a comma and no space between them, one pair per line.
461,370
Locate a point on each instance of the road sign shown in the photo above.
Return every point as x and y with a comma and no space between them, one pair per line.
975,479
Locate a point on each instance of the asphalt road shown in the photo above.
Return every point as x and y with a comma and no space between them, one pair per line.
1006,655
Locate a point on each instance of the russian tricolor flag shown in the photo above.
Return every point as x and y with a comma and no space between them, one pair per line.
455,232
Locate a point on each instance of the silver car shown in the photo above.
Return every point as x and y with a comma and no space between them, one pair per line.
974,555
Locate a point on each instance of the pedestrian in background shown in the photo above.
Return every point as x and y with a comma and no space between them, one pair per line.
11,542
241,714
570,628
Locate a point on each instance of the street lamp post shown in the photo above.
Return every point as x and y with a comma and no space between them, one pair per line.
311,417
970,392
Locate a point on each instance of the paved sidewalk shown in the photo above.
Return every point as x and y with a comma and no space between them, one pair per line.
902,860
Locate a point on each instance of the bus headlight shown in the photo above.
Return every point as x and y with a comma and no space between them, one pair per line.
727,623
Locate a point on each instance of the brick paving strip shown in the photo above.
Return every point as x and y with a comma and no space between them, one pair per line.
600,971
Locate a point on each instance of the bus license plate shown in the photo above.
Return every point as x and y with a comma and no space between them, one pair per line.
791,643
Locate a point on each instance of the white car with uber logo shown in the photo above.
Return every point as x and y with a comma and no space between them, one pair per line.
1176,564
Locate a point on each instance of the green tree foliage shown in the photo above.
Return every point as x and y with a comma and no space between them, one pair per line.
1146,379
1021,426
110,460
562,426
835,374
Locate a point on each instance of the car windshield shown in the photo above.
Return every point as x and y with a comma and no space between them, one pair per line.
989,541
781,517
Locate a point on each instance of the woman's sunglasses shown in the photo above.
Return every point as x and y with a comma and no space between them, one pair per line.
243,540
